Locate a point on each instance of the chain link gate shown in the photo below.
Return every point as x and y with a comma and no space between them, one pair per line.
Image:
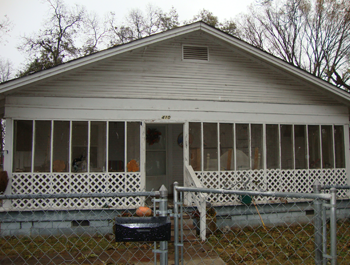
289,228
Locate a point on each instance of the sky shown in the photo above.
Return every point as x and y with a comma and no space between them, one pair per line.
27,16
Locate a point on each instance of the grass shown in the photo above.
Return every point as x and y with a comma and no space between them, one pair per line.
292,244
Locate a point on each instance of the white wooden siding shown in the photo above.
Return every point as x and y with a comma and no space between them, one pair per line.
158,72
179,111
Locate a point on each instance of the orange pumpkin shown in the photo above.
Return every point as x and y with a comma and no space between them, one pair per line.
143,211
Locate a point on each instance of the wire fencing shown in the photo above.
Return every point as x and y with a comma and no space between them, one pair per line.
342,222
288,229
74,236
284,228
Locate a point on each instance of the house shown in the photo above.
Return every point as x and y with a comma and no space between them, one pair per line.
192,105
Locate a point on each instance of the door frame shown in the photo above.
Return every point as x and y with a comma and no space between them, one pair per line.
144,150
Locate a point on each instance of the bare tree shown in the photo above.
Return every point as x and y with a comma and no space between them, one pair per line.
95,33
228,26
5,70
5,65
56,42
5,27
311,34
140,24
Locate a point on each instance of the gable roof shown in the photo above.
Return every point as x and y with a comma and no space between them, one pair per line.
231,41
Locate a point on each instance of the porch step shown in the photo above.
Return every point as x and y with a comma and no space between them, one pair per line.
189,230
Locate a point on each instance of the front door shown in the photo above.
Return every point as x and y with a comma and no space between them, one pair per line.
164,155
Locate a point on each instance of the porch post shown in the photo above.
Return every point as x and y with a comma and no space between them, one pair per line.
143,155
8,154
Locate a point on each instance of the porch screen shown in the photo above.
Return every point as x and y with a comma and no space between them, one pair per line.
61,146
116,147
195,142
300,146
314,146
22,151
257,152
242,146
210,134
98,146
227,152
339,147
42,149
287,161
272,147
133,146
327,146
79,146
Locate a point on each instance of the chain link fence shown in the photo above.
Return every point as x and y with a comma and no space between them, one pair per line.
285,228
342,222
75,236
290,228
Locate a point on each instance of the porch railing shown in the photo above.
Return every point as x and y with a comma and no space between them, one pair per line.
199,200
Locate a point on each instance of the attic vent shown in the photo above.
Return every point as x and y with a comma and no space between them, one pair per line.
195,53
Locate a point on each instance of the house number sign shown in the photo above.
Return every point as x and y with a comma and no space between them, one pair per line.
166,117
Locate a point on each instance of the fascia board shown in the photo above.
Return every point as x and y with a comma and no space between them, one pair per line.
105,54
277,62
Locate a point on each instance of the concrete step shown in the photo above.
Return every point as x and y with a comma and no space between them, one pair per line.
188,229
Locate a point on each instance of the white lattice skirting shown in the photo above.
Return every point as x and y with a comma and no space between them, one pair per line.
73,183
299,181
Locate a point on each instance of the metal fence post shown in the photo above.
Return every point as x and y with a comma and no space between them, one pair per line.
318,225
163,211
176,225
333,223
